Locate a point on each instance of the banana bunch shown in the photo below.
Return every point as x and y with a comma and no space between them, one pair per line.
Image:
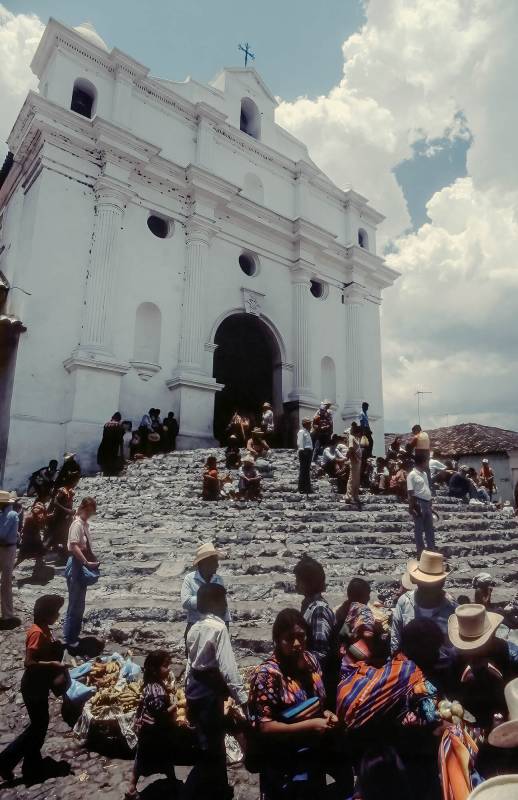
104,674
130,696
105,697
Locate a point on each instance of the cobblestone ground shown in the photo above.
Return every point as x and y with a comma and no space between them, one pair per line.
150,521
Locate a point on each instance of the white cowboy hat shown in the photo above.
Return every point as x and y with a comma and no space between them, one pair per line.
406,581
503,787
506,734
204,551
429,569
472,626
7,497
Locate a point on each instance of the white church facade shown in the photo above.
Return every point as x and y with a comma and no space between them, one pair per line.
166,244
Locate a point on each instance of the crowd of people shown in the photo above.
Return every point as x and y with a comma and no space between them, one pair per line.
404,699
415,698
120,443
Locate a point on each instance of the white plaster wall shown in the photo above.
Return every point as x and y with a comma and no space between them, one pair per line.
57,233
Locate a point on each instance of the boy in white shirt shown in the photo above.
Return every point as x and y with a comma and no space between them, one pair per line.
212,675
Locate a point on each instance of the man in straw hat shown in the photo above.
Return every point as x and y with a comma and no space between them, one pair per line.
484,662
9,522
428,599
206,562
420,504
322,428
267,422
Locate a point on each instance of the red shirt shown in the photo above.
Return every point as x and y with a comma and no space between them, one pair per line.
39,640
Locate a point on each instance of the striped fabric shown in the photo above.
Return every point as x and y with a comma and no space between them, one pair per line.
456,757
397,688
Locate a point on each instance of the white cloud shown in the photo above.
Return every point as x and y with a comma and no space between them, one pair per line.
19,37
429,69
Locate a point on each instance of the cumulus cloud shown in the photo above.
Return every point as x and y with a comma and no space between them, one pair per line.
19,37
433,70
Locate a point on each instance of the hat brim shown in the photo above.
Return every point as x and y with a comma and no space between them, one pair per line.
492,788
407,582
459,643
199,559
505,735
425,577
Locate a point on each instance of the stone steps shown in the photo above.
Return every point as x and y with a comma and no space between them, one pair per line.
151,519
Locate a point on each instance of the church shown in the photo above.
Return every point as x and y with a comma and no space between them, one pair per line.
167,244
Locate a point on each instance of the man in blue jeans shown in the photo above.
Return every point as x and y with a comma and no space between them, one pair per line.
420,504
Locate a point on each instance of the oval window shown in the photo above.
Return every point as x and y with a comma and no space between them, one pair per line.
158,226
317,289
248,264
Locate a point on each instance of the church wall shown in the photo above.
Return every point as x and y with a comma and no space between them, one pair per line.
169,131
151,270
54,257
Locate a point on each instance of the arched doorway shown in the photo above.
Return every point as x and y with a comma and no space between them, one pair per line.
247,362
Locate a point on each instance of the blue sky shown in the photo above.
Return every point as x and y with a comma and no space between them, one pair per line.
298,52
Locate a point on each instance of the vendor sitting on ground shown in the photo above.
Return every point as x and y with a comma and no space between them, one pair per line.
232,453
249,480
333,458
380,477
398,481
211,483
31,537
256,445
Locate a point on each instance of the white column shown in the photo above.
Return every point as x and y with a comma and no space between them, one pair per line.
301,336
96,334
191,352
354,300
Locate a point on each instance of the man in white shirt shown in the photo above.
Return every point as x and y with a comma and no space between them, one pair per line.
305,451
211,676
420,503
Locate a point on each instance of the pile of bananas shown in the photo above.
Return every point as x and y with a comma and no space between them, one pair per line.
125,699
104,674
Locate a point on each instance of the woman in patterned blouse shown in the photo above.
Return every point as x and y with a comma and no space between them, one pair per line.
289,726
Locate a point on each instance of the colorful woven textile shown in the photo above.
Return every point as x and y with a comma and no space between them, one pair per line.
396,688
456,757
272,692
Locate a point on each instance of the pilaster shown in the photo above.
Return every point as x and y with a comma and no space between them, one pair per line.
300,291
354,298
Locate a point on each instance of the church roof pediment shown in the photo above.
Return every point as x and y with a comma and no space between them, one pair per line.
248,77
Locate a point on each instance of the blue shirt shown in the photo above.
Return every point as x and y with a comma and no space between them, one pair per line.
364,420
9,522
189,595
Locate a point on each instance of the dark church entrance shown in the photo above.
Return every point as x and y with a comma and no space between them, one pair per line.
247,361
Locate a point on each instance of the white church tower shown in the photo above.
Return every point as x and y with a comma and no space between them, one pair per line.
166,244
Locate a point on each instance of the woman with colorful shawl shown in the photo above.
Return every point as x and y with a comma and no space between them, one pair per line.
396,703
287,709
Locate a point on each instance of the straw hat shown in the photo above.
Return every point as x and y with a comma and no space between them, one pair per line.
506,734
406,581
503,787
258,431
6,497
429,569
326,403
204,551
68,455
472,626
267,405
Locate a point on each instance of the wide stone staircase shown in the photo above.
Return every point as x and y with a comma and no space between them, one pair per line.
151,519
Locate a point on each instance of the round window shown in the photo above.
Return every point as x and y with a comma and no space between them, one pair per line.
158,226
317,289
248,264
